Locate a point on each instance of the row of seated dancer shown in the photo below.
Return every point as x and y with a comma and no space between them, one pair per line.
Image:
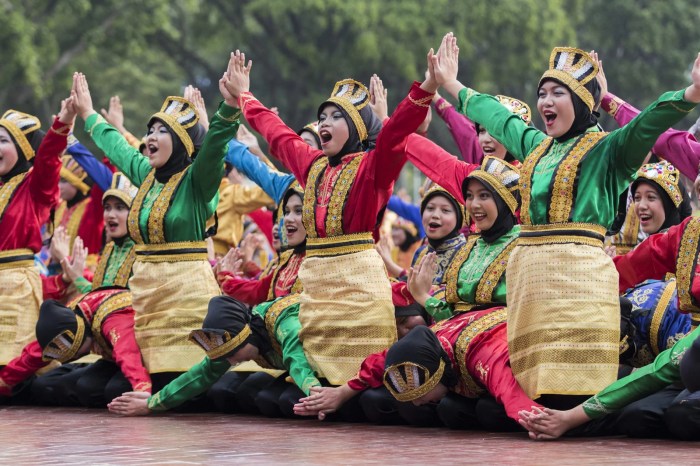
512,314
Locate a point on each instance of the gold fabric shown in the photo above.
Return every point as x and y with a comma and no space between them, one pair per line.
170,299
346,312
20,289
563,318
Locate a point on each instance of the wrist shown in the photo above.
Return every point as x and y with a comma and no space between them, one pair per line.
87,113
66,278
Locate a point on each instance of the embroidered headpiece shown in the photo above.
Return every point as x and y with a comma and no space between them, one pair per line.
502,177
179,115
575,68
73,173
436,190
405,225
219,343
666,176
19,125
352,96
517,107
65,346
122,189
408,381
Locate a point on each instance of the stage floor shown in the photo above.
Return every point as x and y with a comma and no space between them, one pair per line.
39,436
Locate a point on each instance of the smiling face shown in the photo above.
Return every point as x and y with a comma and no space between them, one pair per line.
276,243
8,152
333,130
556,108
439,217
159,144
649,208
296,233
481,205
490,146
115,214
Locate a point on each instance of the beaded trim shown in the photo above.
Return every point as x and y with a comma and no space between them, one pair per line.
274,312
452,273
7,191
564,182
283,259
493,274
686,262
123,273
406,390
229,344
500,188
526,171
114,303
466,336
659,313
57,347
20,137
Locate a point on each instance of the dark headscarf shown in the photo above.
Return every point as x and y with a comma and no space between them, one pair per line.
23,165
459,211
178,160
56,320
354,144
584,118
504,222
294,190
228,326
672,213
421,349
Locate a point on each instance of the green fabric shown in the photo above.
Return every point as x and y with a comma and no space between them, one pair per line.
82,285
195,381
605,172
286,330
115,261
196,197
642,382
470,274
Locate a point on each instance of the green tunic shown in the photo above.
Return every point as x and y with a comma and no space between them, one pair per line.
606,166
115,260
197,194
200,377
474,280
642,382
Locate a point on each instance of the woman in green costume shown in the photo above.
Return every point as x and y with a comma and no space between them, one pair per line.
563,311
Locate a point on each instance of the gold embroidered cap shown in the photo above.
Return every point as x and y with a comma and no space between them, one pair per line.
502,177
517,107
352,96
408,381
406,225
575,68
19,125
179,115
73,173
665,175
219,343
65,346
121,188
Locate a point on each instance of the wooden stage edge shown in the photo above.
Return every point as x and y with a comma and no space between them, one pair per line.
53,436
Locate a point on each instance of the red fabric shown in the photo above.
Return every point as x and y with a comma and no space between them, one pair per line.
21,368
249,290
653,258
92,224
34,198
462,129
371,373
118,331
263,219
53,286
376,174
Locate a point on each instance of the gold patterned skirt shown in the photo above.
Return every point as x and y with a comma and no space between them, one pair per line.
563,315
20,289
346,311
170,299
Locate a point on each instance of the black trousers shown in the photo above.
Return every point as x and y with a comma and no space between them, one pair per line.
235,392
682,417
80,385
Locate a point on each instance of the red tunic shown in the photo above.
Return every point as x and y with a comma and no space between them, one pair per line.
279,282
376,174
29,208
91,221
675,251
117,342
486,360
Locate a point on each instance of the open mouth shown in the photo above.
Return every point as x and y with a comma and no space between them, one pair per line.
325,137
291,230
434,225
644,217
112,225
549,117
488,150
152,149
478,217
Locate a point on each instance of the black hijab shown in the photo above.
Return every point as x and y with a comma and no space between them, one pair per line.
178,160
584,118
354,144
672,213
505,220
23,165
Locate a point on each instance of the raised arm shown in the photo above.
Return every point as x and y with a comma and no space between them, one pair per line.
439,165
461,128
273,182
99,172
285,144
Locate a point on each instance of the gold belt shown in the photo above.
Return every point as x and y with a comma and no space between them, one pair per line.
15,258
559,233
339,245
172,252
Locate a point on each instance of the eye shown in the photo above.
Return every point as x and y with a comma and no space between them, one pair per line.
321,117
